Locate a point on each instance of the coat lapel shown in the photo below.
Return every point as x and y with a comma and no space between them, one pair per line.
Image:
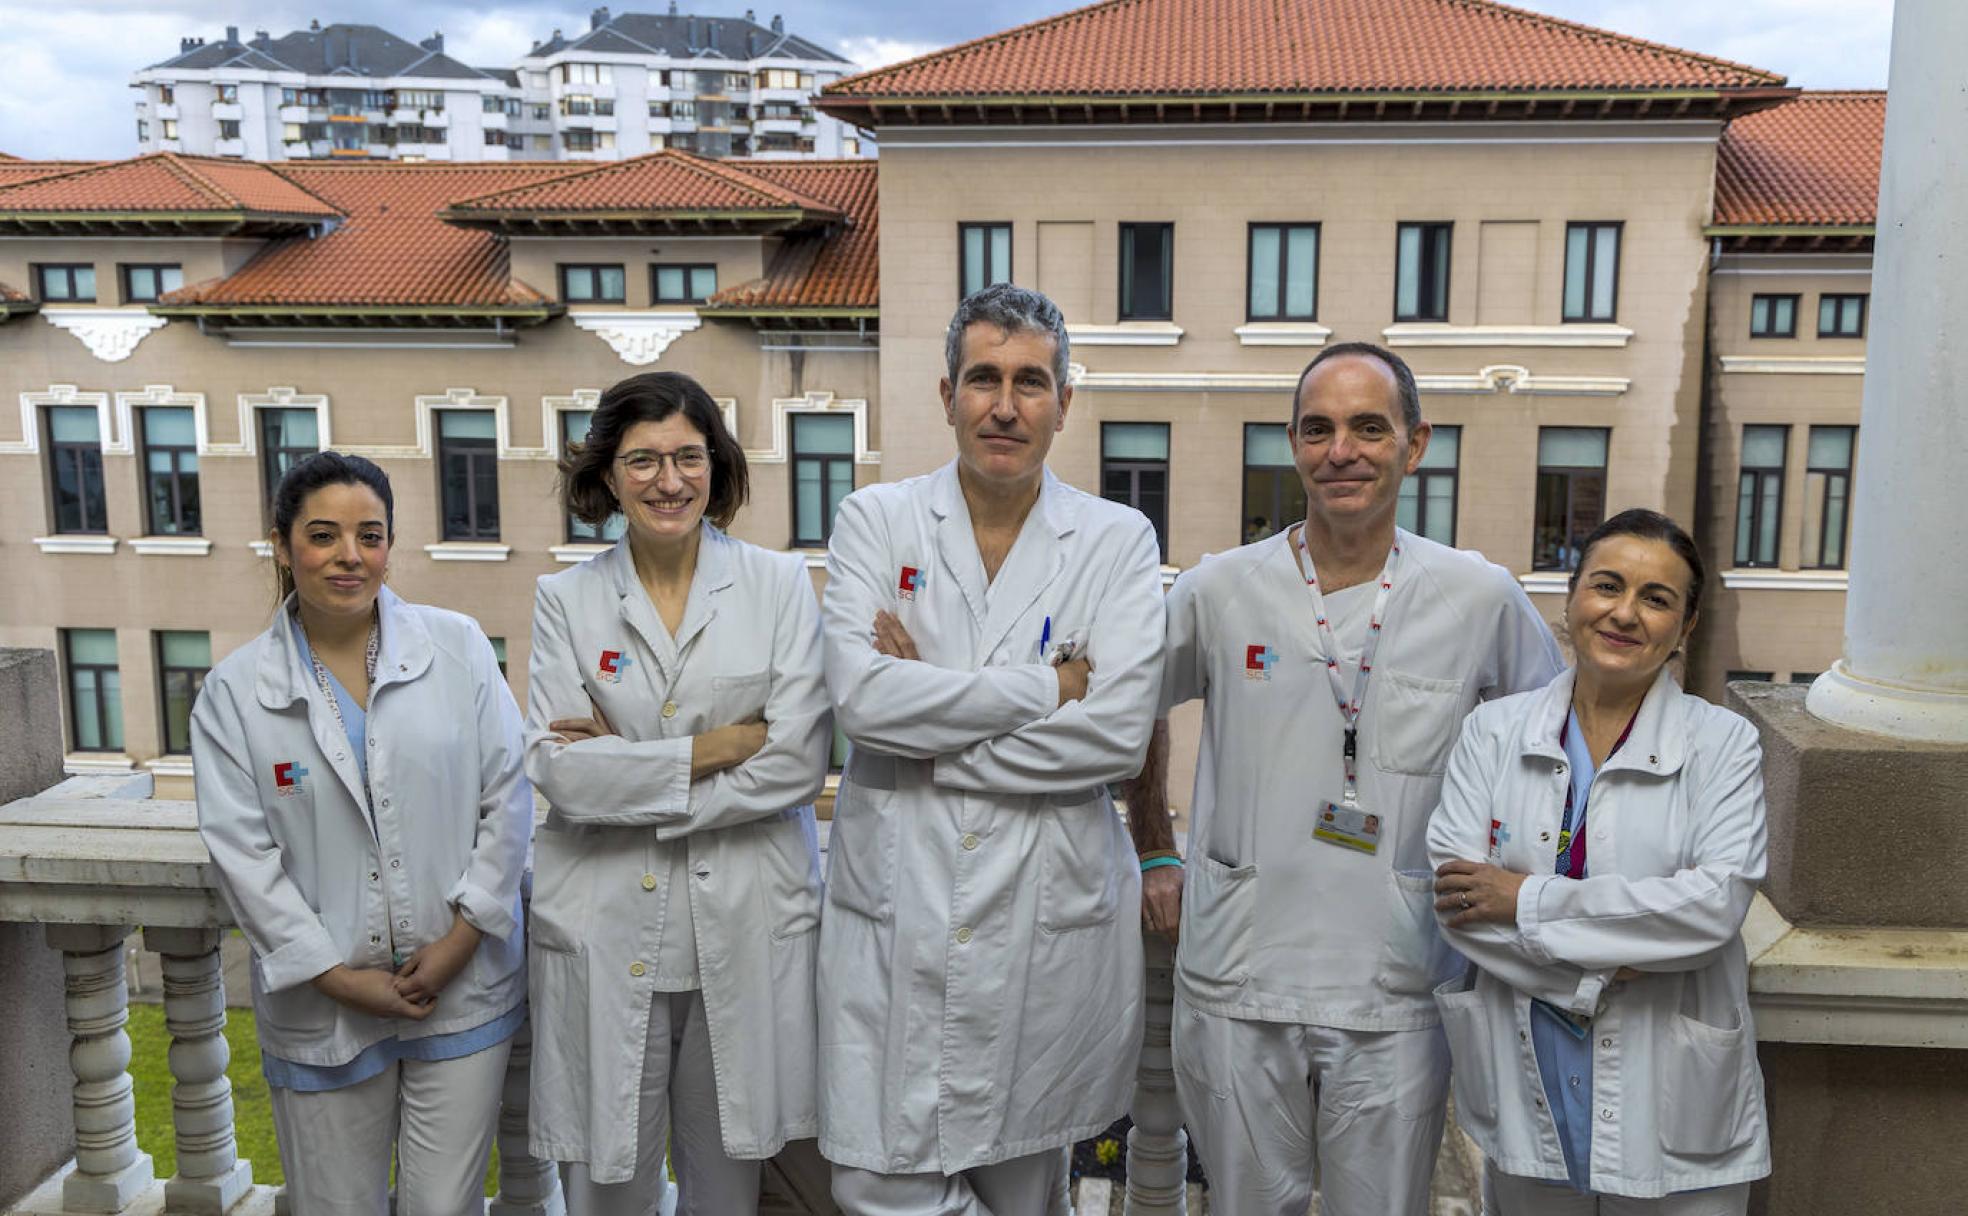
956,543
714,564
1035,560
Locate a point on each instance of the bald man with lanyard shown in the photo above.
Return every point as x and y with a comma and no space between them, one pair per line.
1336,661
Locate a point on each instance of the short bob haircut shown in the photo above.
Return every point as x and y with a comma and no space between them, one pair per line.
1649,525
651,397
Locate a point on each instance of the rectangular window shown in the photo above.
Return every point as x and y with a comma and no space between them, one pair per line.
468,473
1759,494
1147,270
143,130
779,78
1571,493
1591,271
95,690
145,284
170,465
1274,497
684,111
1827,496
1805,677
1284,272
166,95
1134,469
1773,316
1841,316
228,94
823,474
499,653
75,470
67,283
1428,495
1421,272
983,257
592,284
287,437
1756,676
170,128
183,658
574,430
673,284
228,128
495,139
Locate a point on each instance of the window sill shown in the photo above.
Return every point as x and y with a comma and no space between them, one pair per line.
1546,582
1168,575
75,544
1756,578
468,551
1127,333
1796,365
1283,333
572,553
1435,333
816,559
170,766
172,546
260,548
87,764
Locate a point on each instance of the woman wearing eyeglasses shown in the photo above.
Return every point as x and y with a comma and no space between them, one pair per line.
679,726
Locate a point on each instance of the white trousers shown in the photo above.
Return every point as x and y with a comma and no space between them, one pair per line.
1513,1195
1272,1104
1033,1185
678,1112
439,1115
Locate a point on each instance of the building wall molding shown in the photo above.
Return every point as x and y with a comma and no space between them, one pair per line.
1430,333
453,399
1795,365
76,543
1754,578
29,444
171,546
1127,333
638,338
1546,582
814,403
468,551
1282,333
127,405
1859,986
277,397
111,334
1496,378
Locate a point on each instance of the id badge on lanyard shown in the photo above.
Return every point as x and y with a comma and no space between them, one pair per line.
1345,823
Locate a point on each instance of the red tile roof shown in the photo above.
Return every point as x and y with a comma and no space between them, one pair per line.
666,181
163,183
1184,48
392,251
1812,161
837,269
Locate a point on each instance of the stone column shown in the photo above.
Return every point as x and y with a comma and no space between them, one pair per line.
1905,668
110,1170
1158,1148
211,1177
527,1185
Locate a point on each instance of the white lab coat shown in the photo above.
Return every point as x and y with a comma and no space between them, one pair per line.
1278,926
311,884
748,646
1676,851
980,974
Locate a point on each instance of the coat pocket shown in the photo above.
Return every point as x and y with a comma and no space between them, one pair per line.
862,843
296,1010
1415,722
1472,1065
1079,876
1219,908
739,698
1416,957
1708,1086
558,915
789,873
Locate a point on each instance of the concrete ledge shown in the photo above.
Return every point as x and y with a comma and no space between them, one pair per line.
1874,987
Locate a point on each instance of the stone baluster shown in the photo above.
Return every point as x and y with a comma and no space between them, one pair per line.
110,1170
1158,1148
211,1177
527,1185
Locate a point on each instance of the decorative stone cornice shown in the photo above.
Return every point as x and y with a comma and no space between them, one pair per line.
111,334
639,338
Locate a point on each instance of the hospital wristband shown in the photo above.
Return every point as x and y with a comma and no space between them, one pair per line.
1160,859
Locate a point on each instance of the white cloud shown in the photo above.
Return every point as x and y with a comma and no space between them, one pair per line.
870,51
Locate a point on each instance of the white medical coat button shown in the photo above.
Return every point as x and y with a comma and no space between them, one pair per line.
649,882
375,939
386,802
1575,1082
1607,1114
637,969
372,743
963,935
396,863
1561,766
403,924
338,756
969,840
373,876
669,709
1605,1042
1521,1036
1539,1103
1653,760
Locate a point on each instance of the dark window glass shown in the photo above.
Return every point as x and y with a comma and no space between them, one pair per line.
1147,269
580,284
499,652
823,474
670,284
1759,494
287,437
95,690
144,284
67,284
468,472
1428,495
985,251
1134,469
1733,676
1591,271
1828,496
1421,272
1773,316
183,658
1571,493
170,464
573,430
1841,316
75,469
1284,272
1274,497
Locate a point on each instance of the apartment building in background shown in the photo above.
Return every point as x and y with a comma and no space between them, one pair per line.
629,84
1625,275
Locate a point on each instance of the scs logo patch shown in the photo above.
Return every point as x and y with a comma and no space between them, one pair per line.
613,664
287,777
910,583
1258,661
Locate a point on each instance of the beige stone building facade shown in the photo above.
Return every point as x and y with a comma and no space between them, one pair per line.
1570,265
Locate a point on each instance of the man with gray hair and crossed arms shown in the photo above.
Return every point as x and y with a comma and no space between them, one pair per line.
993,645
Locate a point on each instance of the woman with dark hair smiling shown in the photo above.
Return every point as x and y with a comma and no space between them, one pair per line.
1597,846
361,790
678,724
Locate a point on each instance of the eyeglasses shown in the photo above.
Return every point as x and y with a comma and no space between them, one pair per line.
643,464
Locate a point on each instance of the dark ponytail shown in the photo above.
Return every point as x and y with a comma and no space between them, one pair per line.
309,475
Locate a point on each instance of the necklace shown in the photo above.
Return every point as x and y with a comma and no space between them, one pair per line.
323,681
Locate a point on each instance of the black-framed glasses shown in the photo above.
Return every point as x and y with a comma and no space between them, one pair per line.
643,464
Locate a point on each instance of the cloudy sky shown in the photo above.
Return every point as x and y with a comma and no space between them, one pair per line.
69,63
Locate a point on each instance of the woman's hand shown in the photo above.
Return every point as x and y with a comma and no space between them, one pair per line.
1477,892
431,968
579,730
724,747
369,990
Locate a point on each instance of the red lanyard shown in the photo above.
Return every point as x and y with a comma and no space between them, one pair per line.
1571,838
1349,708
